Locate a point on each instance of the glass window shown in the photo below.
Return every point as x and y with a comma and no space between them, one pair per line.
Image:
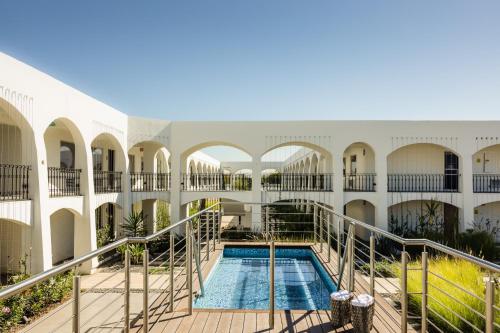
67,155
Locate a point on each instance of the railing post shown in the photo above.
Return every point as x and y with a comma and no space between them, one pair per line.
126,302
207,232
145,287
404,291
271,285
424,291
489,303
321,231
352,258
372,265
219,224
315,222
171,271
339,245
189,267
266,223
76,304
214,238
198,233
328,216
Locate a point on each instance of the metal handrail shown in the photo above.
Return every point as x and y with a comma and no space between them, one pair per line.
344,259
43,276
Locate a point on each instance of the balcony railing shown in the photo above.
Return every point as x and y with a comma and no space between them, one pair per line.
486,183
359,182
107,181
64,182
298,182
149,182
216,182
423,183
14,180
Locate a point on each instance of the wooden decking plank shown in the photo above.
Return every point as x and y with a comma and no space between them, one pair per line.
187,322
212,322
237,322
300,321
199,323
225,321
250,323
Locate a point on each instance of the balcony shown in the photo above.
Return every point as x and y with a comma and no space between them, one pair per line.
64,182
14,182
216,182
298,182
423,183
359,182
149,182
486,183
107,181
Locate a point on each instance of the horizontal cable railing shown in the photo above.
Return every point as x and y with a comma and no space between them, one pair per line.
107,181
149,182
216,182
423,183
359,182
298,182
64,182
14,182
486,183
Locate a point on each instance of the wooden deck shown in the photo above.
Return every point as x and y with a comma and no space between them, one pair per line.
386,318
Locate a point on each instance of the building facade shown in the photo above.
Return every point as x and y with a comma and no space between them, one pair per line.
70,165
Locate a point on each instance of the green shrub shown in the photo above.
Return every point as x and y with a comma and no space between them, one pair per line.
33,301
479,243
460,272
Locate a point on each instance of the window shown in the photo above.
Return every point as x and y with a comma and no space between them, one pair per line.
97,158
67,155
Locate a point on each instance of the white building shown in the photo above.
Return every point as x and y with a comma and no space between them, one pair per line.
70,164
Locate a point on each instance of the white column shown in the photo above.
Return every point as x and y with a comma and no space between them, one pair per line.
175,187
256,192
467,214
381,218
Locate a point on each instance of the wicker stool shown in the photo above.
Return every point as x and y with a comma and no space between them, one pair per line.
341,308
362,309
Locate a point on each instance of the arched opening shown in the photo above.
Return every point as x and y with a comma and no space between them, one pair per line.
424,218
15,249
424,167
487,218
62,232
359,168
109,223
486,170
212,168
66,158
108,161
17,154
363,211
148,167
156,214
299,167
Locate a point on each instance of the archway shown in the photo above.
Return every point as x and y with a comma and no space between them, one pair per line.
66,159
15,249
486,170
156,214
359,168
109,223
424,167
108,159
63,234
148,167
487,218
363,211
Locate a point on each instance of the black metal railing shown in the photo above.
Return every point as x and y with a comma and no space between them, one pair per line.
149,182
298,182
107,181
14,182
486,183
216,182
423,183
64,182
359,182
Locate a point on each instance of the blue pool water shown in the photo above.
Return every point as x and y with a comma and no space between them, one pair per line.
240,280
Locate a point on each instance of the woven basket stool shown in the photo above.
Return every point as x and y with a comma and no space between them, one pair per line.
341,308
362,310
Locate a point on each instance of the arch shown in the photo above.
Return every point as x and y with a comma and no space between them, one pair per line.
361,210
364,155
314,164
65,149
15,244
207,144
424,143
115,143
487,217
152,153
486,160
322,150
63,234
108,222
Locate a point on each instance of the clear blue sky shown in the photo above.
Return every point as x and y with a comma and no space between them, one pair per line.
268,59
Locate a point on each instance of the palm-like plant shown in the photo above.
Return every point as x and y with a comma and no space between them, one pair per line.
134,224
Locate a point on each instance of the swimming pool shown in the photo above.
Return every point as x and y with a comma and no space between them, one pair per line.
240,280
